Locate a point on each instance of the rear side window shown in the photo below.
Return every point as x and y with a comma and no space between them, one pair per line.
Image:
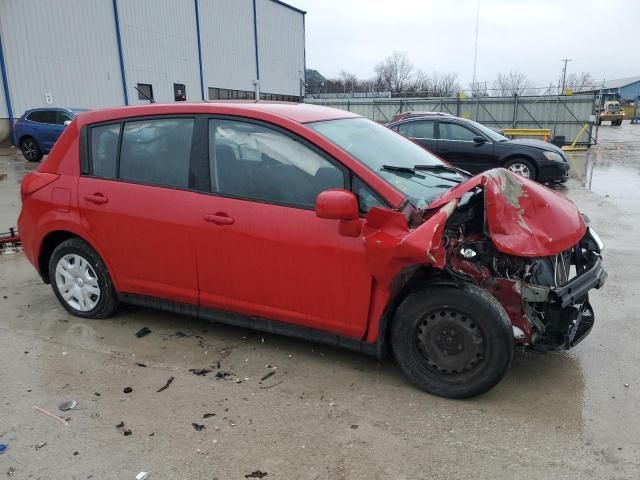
104,150
62,117
423,129
157,151
43,116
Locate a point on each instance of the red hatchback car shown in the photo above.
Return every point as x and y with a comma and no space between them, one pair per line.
311,222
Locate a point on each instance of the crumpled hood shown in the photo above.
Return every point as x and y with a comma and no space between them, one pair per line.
524,218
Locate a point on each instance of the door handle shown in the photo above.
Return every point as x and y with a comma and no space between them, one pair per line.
97,198
219,218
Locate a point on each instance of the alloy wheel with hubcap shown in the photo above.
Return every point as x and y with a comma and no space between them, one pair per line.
30,150
520,169
77,282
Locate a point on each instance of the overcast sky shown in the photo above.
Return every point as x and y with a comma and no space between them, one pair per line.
532,36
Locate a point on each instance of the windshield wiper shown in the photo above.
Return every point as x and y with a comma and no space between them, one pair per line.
396,168
440,167
412,171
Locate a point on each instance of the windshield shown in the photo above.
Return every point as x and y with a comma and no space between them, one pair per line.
492,134
377,147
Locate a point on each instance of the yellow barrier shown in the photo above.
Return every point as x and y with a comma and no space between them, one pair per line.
527,132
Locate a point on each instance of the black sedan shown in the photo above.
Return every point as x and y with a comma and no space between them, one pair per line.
476,148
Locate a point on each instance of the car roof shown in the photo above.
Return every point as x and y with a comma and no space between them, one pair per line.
298,112
47,109
414,118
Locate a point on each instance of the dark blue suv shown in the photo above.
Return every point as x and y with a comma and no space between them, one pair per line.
39,128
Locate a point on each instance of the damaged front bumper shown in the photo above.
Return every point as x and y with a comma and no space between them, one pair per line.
562,315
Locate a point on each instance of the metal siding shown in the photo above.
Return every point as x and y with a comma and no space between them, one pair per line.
280,48
228,51
66,48
564,115
160,47
630,92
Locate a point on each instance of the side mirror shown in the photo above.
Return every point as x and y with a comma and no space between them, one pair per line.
337,204
479,139
67,123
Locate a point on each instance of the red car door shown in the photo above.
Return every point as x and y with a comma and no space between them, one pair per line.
136,205
261,250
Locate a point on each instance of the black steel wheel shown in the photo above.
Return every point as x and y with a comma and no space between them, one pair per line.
30,149
455,343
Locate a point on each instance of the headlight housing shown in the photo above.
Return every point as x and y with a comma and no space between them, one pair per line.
553,156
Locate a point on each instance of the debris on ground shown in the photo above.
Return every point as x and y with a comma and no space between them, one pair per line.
120,425
142,332
126,432
198,427
97,394
626,385
201,372
268,375
127,390
11,471
70,405
38,446
223,375
141,364
208,415
271,386
354,427
256,474
52,415
76,453
142,476
3,447
166,385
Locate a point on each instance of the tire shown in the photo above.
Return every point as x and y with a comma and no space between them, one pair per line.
30,149
616,123
522,167
469,316
81,281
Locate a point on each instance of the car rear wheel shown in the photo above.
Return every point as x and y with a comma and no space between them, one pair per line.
454,343
80,280
30,149
522,167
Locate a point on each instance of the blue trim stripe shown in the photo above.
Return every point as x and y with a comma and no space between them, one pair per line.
121,57
195,2
7,97
255,39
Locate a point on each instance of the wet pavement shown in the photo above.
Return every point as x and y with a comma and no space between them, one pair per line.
325,413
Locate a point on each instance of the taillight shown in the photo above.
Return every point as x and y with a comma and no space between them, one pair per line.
34,181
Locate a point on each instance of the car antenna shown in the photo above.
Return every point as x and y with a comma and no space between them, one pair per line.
145,95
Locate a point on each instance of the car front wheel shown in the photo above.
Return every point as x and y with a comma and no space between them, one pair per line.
454,343
80,280
522,167
30,149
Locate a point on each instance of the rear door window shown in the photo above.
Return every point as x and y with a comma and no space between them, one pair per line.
62,117
157,151
43,116
419,129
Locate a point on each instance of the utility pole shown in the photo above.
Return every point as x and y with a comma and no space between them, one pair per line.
564,73
475,49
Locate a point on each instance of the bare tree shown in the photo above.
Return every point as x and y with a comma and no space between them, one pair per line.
511,83
395,72
349,81
443,84
578,81
479,89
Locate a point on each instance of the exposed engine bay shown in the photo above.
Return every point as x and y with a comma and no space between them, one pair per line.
545,297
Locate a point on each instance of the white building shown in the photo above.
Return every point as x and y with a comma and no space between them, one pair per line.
95,53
